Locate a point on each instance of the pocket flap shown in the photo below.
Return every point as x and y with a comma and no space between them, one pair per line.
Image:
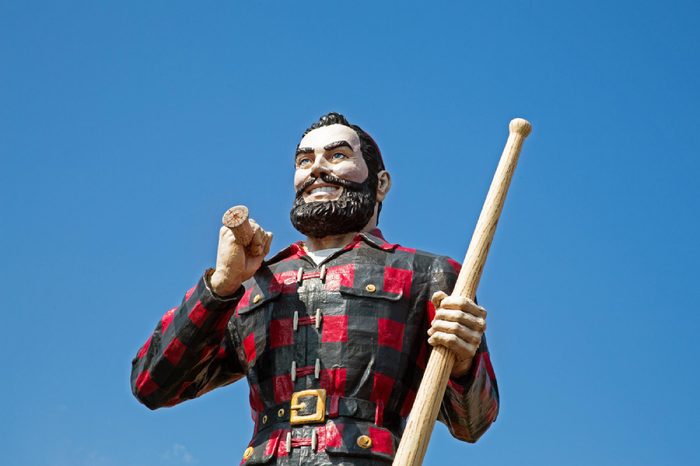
370,291
262,448
360,439
256,298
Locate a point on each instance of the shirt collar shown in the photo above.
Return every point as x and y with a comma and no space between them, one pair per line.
374,238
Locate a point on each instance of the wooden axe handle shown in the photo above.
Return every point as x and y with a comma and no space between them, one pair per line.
236,218
419,428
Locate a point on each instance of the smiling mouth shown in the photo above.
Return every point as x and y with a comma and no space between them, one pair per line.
324,192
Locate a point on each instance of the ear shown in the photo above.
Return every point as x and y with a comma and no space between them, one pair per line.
383,185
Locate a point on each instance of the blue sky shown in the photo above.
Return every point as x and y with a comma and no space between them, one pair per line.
127,128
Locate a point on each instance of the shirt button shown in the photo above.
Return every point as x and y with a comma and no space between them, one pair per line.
371,288
364,441
257,299
247,453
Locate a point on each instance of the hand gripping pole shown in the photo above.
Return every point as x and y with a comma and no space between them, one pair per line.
419,428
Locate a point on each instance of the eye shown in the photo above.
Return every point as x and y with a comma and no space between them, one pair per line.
338,156
303,161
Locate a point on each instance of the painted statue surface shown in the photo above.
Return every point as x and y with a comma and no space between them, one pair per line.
333,332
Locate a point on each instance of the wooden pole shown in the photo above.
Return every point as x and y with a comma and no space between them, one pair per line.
414,442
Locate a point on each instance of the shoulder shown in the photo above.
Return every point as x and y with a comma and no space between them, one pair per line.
291,253
278,271
413,258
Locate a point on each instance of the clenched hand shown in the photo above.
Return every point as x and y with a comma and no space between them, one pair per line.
234,262
459,325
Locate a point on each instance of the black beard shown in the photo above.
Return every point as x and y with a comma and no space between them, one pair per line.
349,213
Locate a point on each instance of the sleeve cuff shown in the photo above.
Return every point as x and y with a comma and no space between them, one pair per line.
462,380
235,297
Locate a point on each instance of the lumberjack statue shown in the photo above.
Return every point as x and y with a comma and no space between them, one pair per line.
334,332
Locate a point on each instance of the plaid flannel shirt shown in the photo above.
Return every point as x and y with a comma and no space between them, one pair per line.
355,326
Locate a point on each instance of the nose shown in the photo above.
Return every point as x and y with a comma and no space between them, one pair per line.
319,166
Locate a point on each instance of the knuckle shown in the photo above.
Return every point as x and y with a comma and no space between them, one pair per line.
441,314
440,326
454,302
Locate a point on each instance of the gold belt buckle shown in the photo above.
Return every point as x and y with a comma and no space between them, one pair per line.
300,402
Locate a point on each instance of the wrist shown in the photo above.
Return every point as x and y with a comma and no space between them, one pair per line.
223,284
460,369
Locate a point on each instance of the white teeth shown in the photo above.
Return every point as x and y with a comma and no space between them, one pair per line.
323,189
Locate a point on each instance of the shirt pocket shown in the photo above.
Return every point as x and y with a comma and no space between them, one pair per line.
360,439
256,299
263,447
252,323
368,296
370,282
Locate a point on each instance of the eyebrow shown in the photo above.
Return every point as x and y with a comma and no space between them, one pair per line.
331,146
336,144
304,150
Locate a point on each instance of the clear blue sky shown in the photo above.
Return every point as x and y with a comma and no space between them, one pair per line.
126,129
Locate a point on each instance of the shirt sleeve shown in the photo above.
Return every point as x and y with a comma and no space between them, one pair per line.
190,351
470,404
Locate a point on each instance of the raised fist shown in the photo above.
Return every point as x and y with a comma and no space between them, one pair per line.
236,263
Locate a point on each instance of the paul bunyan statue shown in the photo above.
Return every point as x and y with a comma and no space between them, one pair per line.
333,333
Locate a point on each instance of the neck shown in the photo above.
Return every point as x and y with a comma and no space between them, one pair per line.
338,241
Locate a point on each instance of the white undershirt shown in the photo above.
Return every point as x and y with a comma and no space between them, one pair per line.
321,255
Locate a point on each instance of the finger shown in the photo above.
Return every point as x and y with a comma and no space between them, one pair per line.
256,243
267,243
464,304
459,347
468,320
225,233
453,328
437,298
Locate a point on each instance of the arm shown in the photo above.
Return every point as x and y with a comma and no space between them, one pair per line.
471,399
189,353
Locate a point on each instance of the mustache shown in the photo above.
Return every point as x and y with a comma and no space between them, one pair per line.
330,179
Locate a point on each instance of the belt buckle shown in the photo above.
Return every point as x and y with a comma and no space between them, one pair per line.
302,409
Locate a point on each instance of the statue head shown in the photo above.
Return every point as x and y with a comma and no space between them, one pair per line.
340,180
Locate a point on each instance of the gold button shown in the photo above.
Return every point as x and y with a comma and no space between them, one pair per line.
364,441
265,419
371,288
247,453
257,299
280,412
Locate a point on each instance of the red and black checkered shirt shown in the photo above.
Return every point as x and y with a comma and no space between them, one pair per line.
355,325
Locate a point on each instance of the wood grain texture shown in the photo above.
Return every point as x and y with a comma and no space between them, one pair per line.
419,428
236,218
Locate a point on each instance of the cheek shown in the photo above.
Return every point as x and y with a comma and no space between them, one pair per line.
352,172
299,177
